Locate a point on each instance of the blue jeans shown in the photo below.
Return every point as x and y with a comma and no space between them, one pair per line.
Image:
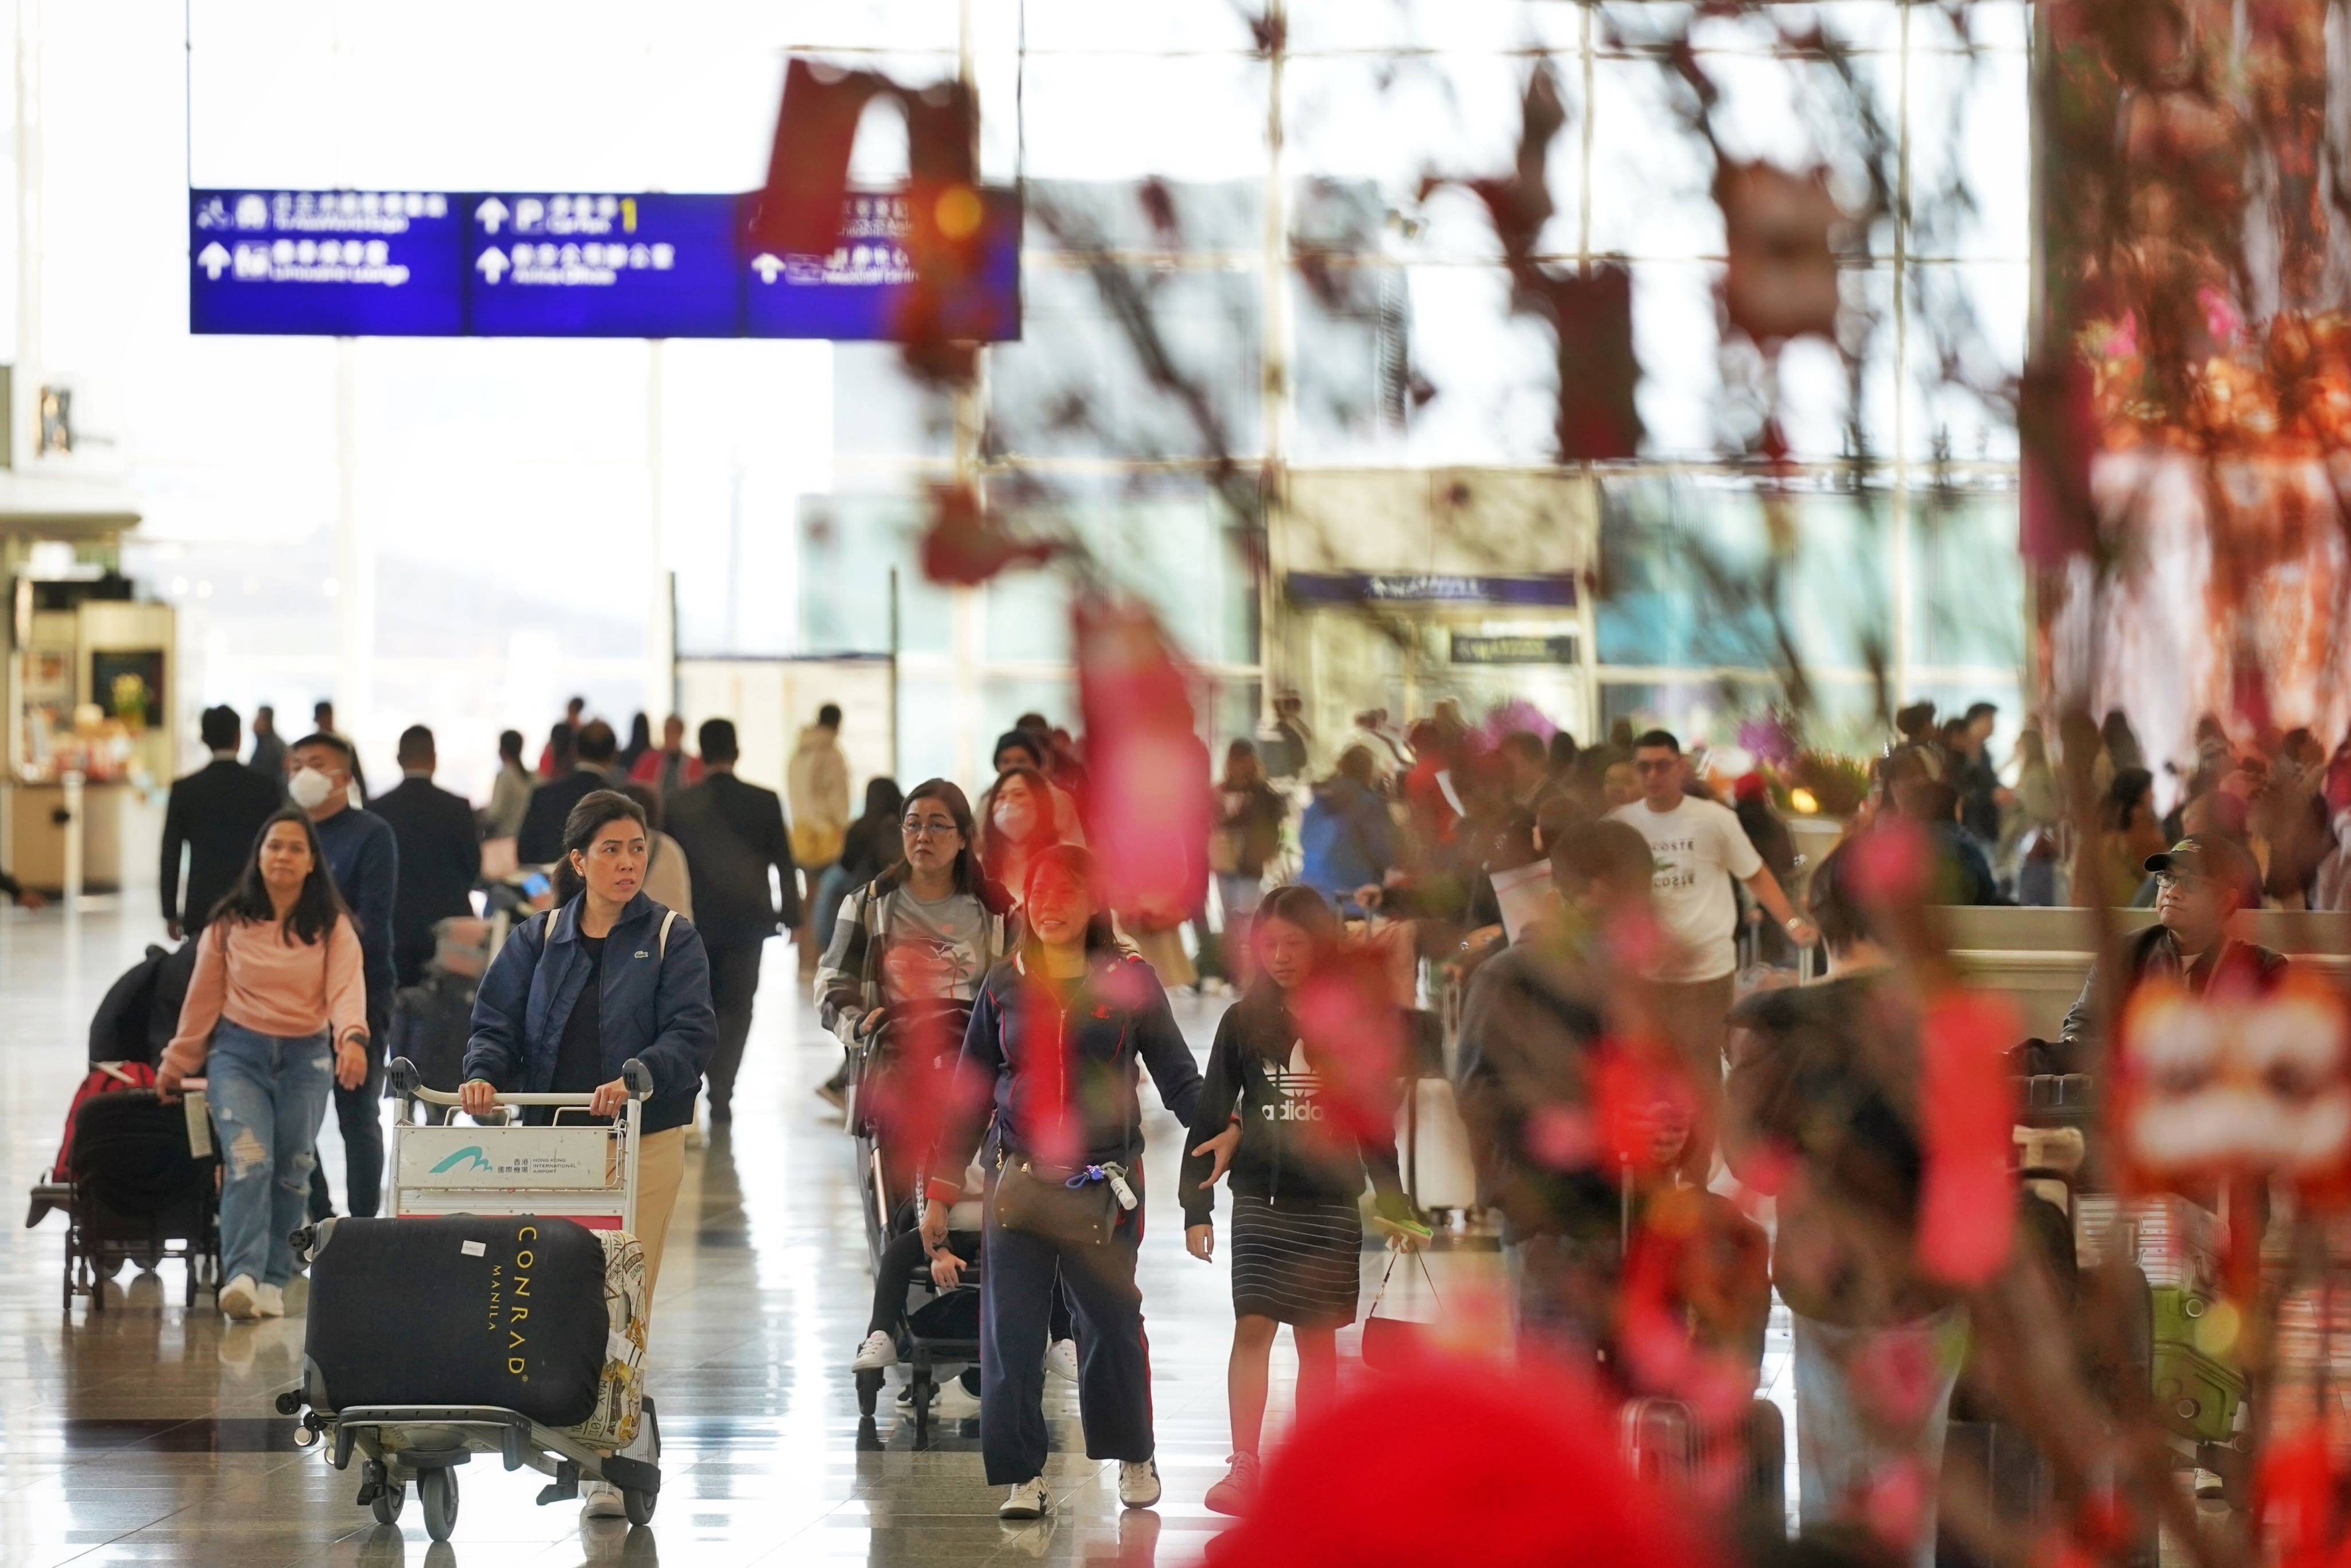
268,1100
1847,1438
830,889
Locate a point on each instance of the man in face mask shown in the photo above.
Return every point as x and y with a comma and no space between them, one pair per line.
364,859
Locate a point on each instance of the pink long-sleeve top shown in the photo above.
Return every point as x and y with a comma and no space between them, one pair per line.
248,973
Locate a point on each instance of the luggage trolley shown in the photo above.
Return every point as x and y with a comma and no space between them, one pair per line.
591,1173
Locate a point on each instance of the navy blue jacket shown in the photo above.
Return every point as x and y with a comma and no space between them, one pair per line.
655,1007
1117,1019
363,857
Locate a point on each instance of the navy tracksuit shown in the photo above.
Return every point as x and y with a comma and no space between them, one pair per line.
1068,1054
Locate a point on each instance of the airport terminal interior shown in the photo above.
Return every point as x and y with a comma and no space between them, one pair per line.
1311,783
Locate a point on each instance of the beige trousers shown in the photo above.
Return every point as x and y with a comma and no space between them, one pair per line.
660,1166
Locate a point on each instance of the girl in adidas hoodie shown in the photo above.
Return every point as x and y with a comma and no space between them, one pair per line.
1297,1174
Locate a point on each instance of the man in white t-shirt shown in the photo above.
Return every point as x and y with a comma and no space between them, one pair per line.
1697,847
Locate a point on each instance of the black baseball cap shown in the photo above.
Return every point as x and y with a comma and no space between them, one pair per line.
2217,859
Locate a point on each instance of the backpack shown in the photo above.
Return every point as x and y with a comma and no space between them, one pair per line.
103,1078
119,1030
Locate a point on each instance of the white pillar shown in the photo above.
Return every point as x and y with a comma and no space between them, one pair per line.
661,603
24,432
354,693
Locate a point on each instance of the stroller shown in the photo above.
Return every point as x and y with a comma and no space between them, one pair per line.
141,1187
943,1330
135,1178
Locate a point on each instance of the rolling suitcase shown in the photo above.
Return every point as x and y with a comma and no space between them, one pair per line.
1439,1171
432,1023
490,1310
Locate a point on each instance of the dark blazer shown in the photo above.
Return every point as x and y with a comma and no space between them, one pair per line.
216,813
440,857
732,832
539,840
653,1004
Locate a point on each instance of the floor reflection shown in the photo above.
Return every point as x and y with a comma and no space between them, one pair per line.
146,1433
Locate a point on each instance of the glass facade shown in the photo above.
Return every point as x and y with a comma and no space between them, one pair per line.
476,528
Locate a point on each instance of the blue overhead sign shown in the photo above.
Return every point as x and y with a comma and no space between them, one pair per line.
1552,589
858,290
337,263
562,265
546,264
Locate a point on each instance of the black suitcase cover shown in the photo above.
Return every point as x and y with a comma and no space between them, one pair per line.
501,1310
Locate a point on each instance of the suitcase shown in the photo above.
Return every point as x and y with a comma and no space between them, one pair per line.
495,1310
2198,1393
432,1023
1658,1440
1439,1170
103,1078
2015,1478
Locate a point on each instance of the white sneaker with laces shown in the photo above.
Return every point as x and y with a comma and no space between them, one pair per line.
1062,1359
878,1351
956,1403
1138,1483
1026,1499
269,1301
601,1500
241,1299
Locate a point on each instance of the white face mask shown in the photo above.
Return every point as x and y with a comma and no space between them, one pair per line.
310,789
1016,819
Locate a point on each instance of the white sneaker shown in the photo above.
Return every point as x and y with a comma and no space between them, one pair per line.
1026,1499
1138,1483
241,1299
1062,1359
269,1301
601,1500
878,1351
956,1403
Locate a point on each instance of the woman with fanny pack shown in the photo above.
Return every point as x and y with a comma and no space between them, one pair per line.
1056,1036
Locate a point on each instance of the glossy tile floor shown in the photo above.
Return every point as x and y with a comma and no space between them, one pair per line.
146,1432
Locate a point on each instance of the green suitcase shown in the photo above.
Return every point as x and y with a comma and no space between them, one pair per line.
2198,1393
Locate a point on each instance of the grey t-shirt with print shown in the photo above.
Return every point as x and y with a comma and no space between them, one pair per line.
934,952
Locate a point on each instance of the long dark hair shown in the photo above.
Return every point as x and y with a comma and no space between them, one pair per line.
316,908
1076,864
884,800
993,843
1265,1006
597,808
969,878
1308,910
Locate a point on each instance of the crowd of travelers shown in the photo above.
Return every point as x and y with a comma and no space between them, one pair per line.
307,903
1553,900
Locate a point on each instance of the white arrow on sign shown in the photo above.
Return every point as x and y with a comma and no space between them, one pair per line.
766,266
213,260
492,212
493,264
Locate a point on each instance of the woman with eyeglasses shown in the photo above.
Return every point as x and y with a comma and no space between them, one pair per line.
908,954
919,938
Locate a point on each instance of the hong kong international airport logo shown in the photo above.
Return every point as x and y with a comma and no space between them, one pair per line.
471,1152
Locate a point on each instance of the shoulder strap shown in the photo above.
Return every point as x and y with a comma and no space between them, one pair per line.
669,918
